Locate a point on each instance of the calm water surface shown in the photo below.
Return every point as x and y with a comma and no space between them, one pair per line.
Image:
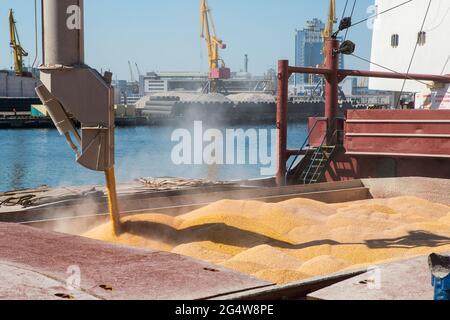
30,158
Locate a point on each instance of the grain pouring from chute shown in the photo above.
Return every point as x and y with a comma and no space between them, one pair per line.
64,69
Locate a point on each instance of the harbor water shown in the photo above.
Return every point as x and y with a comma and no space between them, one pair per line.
35,157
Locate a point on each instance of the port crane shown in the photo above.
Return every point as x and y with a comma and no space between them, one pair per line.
138,70
328,31
327,34
217,69
18,51
134,83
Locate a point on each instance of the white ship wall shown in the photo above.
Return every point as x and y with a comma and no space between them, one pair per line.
13,86
433,98
406,21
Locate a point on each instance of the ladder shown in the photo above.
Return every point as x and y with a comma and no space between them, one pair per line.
316,163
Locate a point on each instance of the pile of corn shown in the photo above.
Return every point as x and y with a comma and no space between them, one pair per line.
295,239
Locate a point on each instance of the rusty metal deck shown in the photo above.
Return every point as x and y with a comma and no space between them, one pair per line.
34,265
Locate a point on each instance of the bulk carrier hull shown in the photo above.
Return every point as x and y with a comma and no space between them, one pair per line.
391,143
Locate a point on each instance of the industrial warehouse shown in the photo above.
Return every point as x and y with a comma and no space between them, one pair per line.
326,177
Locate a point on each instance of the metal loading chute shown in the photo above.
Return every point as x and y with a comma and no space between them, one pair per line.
72,91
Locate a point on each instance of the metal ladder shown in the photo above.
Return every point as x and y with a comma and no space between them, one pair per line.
318,164
313,166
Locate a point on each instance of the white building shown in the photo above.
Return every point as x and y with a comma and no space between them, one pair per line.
396,34
173,81
13,86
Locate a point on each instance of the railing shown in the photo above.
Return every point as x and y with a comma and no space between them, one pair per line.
319,150
307,140
326,139
303,146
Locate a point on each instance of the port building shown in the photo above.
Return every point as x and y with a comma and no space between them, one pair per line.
309,52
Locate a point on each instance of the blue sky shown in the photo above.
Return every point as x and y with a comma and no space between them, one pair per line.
164,35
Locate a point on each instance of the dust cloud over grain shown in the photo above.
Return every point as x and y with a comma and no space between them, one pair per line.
295,239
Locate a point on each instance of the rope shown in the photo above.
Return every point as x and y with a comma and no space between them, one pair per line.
35,35
351,16
345,10
386,68
169,183
24,201
383,12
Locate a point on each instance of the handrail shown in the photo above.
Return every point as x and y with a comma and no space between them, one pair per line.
303,146
306,141
316,152
325,139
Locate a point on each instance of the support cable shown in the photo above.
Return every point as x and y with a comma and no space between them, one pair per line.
379,14
345,9
386,68
414,52
35,35
351,16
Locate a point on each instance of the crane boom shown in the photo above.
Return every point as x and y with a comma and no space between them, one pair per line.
328,32
138,70
131,72
19,52
217,69
134,83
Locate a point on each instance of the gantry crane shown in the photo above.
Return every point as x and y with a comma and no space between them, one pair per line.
19,52
217,68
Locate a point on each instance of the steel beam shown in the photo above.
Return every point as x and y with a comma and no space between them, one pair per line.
331,85
282,105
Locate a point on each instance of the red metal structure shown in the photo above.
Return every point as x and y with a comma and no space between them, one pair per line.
417,140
